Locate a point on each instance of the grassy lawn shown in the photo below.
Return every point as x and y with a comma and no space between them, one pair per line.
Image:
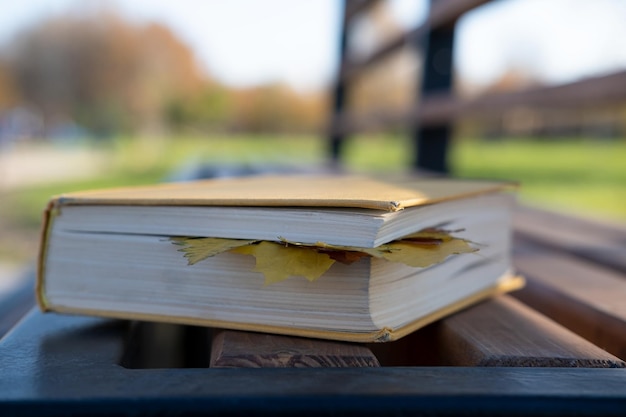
582,177
577,176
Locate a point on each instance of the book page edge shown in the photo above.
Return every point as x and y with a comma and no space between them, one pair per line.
506,284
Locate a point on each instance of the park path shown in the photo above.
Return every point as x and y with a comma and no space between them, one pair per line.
23,165
26,165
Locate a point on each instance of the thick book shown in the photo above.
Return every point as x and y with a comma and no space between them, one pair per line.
338,257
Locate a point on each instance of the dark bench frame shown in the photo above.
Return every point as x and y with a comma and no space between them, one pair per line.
53,365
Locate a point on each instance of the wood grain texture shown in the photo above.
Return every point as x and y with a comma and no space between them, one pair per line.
601,243
586,298
576,274
235,349
505,332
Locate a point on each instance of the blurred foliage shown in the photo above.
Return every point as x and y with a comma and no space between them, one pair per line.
581,176
100,71
110,76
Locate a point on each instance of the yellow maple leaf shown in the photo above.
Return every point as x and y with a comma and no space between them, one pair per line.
419,255
278,262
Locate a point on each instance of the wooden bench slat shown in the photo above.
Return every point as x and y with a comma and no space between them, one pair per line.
584,297
505,332
443,108
603,244
237,349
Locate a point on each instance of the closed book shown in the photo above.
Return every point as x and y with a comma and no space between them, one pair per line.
338,257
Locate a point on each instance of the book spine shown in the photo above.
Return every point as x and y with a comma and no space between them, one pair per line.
52,210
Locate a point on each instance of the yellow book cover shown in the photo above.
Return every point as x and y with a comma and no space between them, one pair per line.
293,191
338,257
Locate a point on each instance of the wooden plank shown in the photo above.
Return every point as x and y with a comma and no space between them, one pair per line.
586,93
236,349
436,109
583,296
505,332
604,244
575,270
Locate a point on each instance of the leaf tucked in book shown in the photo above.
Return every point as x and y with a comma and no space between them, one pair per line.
197,249
280,260
419,255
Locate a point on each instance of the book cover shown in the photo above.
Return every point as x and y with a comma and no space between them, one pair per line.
292,191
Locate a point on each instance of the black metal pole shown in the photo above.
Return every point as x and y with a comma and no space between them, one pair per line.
432,142
337,137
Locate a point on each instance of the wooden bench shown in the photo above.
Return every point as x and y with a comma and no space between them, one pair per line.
555,348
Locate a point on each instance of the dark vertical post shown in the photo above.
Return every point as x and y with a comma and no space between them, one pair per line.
339,92
431,142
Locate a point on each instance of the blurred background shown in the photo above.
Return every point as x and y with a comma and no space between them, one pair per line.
106,93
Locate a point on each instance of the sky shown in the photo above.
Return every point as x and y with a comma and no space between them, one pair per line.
248,42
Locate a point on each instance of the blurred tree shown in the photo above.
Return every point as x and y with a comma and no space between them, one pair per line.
208,109
102,72
8,93
278,108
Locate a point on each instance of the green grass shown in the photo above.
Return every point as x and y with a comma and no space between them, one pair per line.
584,177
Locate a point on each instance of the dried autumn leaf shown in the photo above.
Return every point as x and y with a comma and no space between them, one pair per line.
197,249
418,255
278,262
325,247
